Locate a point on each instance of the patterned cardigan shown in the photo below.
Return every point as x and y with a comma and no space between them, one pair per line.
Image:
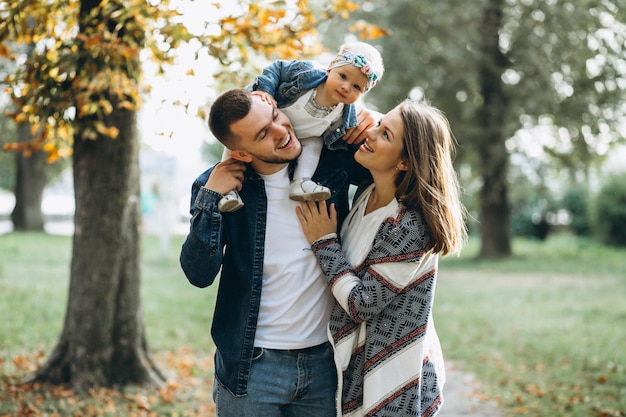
386,348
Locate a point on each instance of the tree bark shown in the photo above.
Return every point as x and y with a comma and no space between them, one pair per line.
494,205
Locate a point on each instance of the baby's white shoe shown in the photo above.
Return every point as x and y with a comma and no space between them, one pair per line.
305,189
230,202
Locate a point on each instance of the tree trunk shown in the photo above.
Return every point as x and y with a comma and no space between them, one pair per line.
103,339
494,206
30,181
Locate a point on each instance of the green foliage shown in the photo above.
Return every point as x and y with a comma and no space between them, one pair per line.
531,204
609,211
576,201
529,217
563,62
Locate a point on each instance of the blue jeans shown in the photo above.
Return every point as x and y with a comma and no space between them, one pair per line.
284,383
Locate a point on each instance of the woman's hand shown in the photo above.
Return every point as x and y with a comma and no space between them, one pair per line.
316,219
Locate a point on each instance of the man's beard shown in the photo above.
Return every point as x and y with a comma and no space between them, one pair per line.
277,160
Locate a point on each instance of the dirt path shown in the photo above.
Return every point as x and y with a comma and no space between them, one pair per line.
462,394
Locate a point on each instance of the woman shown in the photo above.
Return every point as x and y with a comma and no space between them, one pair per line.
383,270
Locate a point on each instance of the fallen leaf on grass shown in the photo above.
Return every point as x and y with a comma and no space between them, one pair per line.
186,394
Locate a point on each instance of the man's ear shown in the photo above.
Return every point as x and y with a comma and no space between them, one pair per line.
242,156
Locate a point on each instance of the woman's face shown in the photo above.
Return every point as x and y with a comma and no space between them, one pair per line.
382,150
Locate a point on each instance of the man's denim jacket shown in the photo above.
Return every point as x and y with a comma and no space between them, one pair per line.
286,81
234,243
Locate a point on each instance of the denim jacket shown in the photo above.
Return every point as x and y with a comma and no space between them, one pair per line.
286,81
234,243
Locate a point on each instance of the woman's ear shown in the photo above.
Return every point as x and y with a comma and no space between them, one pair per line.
402,165
242,156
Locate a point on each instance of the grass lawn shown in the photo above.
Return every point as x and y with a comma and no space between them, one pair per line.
545,331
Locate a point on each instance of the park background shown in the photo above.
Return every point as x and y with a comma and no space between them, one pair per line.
534,306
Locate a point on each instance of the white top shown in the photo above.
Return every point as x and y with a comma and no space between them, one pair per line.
305,124
359,230
295,300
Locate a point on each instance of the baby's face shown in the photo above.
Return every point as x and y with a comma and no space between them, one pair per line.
345,84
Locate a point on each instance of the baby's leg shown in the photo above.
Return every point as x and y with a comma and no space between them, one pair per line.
309,158
302,187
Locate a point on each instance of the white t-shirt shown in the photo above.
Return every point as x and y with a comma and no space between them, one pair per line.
295,299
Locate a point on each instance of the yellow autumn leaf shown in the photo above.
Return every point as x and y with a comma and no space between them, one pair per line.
100,127
112,132
64,133
106,106
125,104
5,51
33,129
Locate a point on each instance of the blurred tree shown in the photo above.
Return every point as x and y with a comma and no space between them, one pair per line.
30,179
27,173
7,131
576,202
79,93
7,161
608,211
498,66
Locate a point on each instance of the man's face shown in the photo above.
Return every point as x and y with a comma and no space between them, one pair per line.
267,136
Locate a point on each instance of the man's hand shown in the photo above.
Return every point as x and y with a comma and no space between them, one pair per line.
366,119
226,176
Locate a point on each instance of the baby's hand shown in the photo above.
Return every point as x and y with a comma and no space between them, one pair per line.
366,119
266,97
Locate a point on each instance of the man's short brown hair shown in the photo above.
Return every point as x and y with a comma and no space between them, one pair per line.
230,107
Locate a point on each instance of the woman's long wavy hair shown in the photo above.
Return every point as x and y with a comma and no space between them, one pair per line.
430,183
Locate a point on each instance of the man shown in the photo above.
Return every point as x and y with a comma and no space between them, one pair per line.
273,305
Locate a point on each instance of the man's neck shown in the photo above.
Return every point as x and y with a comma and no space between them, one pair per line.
265,168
